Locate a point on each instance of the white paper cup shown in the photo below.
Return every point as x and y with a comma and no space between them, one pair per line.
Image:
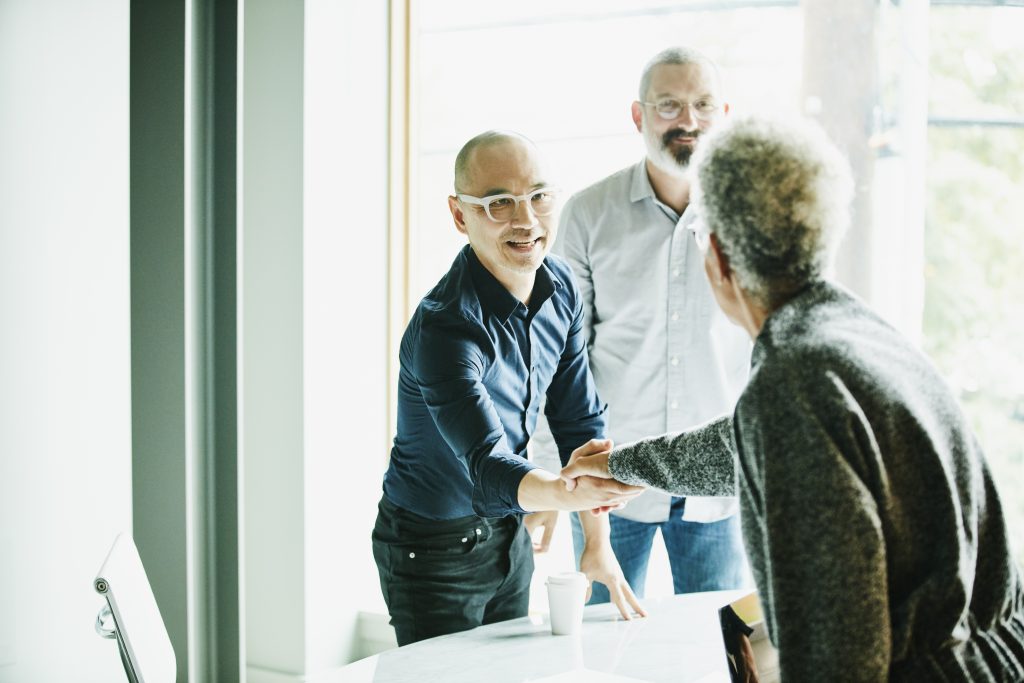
567,592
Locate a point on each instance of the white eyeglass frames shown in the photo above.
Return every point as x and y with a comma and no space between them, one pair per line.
502,207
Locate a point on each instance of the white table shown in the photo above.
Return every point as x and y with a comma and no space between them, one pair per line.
679,641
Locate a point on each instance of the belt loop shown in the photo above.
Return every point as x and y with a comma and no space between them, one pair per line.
396,520
393,512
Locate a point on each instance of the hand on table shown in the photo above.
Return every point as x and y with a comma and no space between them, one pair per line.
599,564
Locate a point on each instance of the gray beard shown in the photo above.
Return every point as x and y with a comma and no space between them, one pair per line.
682,156
666,161
670,163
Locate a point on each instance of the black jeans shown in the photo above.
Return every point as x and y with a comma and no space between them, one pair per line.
440,577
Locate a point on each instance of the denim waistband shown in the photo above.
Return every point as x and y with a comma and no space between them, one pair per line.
401,520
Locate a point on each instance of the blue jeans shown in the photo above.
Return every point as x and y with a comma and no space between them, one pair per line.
703,556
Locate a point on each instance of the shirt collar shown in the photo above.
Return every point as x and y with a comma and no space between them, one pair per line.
544,286
497,300
640,188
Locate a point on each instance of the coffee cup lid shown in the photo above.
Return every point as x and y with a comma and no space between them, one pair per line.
567,578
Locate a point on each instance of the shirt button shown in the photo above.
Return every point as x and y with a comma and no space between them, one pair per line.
464,539
478,532
675,316
674,405
412,555
675,360
675,272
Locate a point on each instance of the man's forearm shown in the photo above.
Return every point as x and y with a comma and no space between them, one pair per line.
596,529
542,490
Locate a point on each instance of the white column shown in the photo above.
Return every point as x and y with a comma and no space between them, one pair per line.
840,90
314,206
345,298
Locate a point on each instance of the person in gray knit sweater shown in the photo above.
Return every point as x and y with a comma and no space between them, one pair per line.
873,526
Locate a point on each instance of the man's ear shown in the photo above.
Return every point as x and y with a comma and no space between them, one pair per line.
460,218
717,263
638,116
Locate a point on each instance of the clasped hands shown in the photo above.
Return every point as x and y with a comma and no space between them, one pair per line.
588,471
585,484
588,468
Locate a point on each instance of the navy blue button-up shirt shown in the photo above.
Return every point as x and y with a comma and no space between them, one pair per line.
475,362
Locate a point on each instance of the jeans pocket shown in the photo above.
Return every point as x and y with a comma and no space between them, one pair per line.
448,545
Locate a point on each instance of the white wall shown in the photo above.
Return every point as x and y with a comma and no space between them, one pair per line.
65,466
314,346
345,345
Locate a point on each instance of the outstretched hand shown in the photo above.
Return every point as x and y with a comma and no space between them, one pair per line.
590,459
542,490
603,494
588,465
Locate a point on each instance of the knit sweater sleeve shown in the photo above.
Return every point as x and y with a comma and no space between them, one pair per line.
695,462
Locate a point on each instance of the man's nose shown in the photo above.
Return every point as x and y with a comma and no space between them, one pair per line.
524,215
686,120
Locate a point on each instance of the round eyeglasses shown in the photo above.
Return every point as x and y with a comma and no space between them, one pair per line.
500,208
670,109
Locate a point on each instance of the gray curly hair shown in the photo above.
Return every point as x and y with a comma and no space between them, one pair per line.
776,195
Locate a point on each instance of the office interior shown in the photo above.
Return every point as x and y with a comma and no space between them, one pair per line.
216,218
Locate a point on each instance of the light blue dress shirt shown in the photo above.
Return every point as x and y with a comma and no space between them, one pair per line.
663,355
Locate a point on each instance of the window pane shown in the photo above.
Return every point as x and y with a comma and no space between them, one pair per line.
566,80
974,313
976,66
564,73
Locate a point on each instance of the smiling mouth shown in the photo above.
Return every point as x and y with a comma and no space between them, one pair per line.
524,245
681,137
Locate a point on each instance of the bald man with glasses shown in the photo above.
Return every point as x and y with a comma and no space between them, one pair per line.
501,330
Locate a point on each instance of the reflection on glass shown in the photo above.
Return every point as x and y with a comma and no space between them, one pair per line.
749,652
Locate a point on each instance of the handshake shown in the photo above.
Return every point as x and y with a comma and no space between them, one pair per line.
589,480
